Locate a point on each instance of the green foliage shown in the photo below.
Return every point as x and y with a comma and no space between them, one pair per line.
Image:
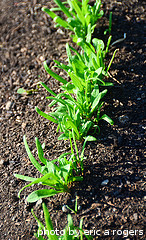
57,176
81,17
110,25
26,92
78,108
70,232
90,62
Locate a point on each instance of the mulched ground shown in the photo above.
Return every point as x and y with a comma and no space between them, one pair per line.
28,37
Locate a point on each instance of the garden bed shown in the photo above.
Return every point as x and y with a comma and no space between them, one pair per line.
28,37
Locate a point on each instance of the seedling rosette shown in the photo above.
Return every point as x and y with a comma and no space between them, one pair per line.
79,111
57,177
57,174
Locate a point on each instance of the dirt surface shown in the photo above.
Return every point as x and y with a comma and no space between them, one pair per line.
28,37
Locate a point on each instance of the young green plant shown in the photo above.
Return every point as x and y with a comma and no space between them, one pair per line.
57,177
90,62
81,17
79,111
70,232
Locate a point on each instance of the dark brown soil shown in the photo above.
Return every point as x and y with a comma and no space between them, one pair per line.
28,37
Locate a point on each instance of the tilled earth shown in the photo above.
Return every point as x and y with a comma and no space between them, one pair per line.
111,197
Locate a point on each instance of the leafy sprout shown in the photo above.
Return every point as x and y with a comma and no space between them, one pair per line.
79,111
57,174
81,17
70,232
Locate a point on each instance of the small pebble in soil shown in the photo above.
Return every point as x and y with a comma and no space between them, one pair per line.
79,207
105,182
135,216
1,162
99,212
64,208
128,183
9,105
42,58
23,125
60,31
123,119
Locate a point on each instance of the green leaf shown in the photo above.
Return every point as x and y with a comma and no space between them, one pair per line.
62,101
48,89
76,179
57,19
111,60
85,6
48,222
31,157
21,91
50,13
62,23
44,180
86,127
99,71
40,152
70,57
70,221
79,12
107,119
76,148
45,115
81,227
97,100
43,193
63,136
25,178
108,44
71,125
76,81
54,75
98,43
94,93
74,50
65,171
88,37
63,8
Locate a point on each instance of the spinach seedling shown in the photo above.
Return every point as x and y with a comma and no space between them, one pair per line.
79,111
70,232
81,17
57,177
